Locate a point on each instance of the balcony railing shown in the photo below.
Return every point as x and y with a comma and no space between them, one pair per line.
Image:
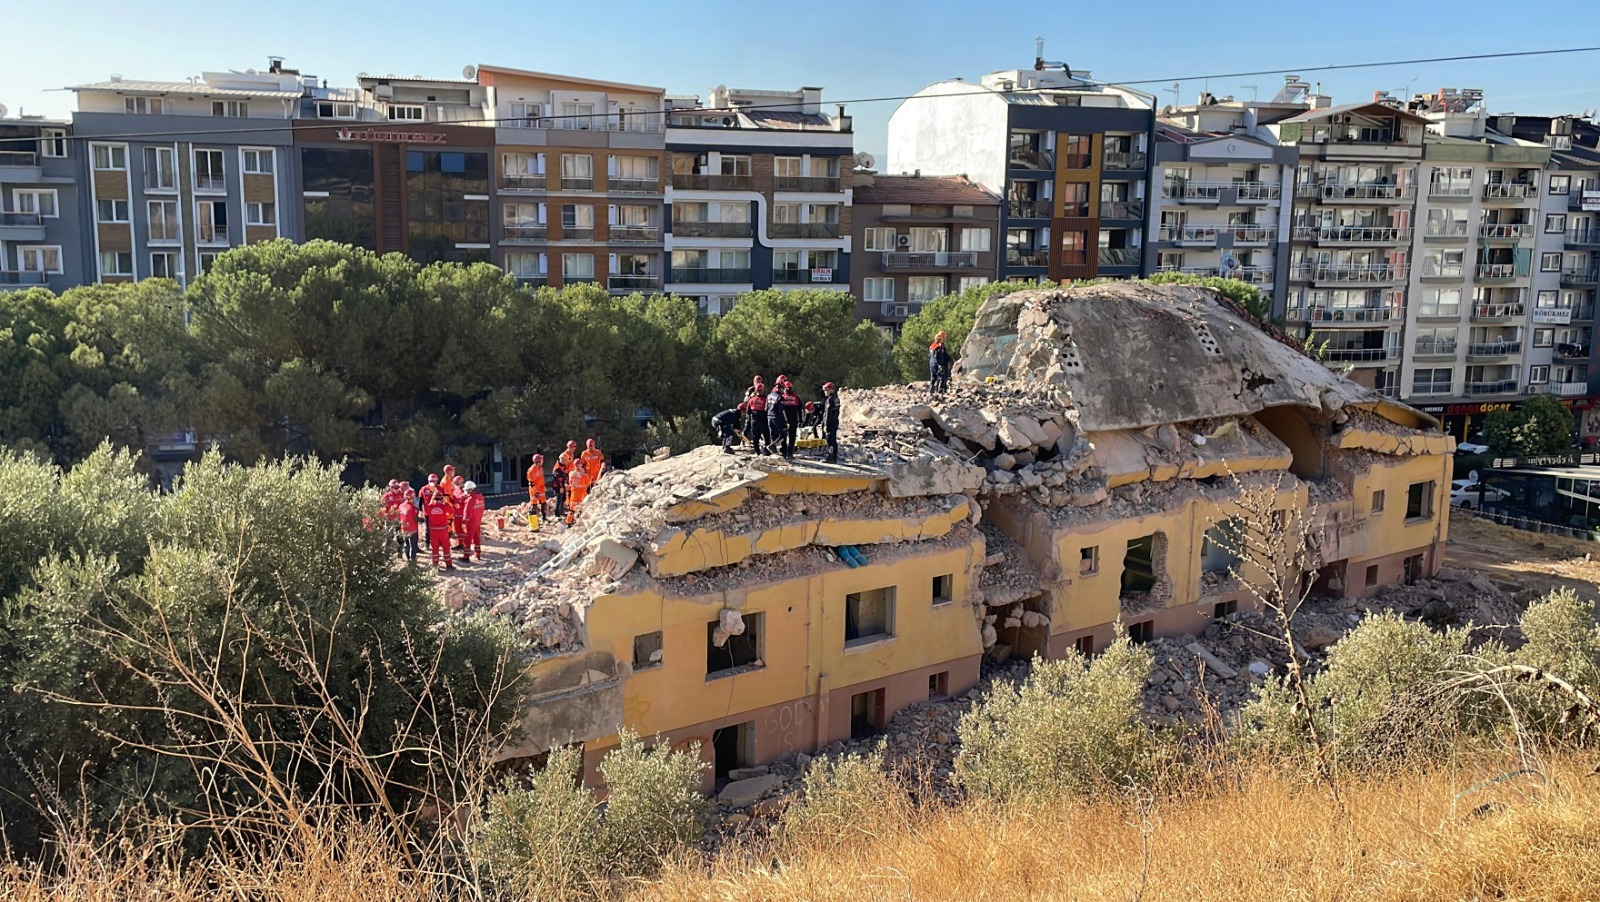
1569,389
1188,234
212,183
212,234
577,233
1027,209
1497,387
1016,257
1430,389
929,259
577,183
1121,209
634,282
1332,316
1497,272
1447,231
1255,275
1583,236
18,158
1433,270
786,276
21,219
695,229
22,277
535,182
1253,234
825,184
1578,276
1119,256
1360,355
1438,191
523,234
1354,191
803,230
1494,349
630,186
154,181
1567,351
635,233
1123,159
1258,191
1506,230
1199,191
1439,311
1202,271
1350,273
635,122
711,182
1028,158
1352,234
1493,312
1426,348
532,279
1509,191
701,275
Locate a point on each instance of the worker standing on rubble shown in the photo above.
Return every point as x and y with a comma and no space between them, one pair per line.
755,400
830,418
594,462
938,365
577,488
439,515
536,484
726,425
568,456
791,418
406,516
775,426
472,508
558,488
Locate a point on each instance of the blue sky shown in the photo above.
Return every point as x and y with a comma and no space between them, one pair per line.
852,49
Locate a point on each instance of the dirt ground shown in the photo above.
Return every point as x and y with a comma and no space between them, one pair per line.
1525,564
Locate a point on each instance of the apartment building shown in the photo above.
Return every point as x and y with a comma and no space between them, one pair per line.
175,173
1070,156
41,233
1226,189
1350,252
917,237
760,194
578,189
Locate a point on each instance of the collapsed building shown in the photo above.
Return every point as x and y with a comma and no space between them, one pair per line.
1085,469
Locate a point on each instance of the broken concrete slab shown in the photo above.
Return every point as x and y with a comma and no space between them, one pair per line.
1212,662
741,793
614,559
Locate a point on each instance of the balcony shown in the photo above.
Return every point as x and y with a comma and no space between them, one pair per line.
1352,235
1350,273
577,183
1192,236
8,218
1258,192
1578,277
1360,355
630,186
1449,191
532,279
577,233
1451,271
1355,192
1253,234
1201,271
803,230
1439,313
701,275
635,234
711,182
1028,209
816,184
208,233
22,278
929,259
1326,317
1583,237
801,276
1498,272
1118,256
1497,231
1572,353
1194,192
1426,348
1038,160
210,184
525,234
532,182
1569,389
19,166
21,227
634,282
1496,313
1026,257
1121,209
1509,191
1497,387
1453,230
694,229
1488,350
1255,275
1123,159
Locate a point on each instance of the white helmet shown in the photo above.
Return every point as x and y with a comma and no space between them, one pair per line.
471,486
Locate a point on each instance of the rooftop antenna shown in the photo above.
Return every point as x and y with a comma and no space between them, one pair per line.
1252,88
1177,86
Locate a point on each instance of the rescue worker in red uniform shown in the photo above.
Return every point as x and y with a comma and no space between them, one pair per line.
429,491
755,427
438,513
406,513
472,508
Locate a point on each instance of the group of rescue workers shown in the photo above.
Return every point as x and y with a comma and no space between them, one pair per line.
771,419
574,475
449,509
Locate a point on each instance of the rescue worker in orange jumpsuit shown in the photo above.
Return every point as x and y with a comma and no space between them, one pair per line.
472,508
577,488
536,496
568,456
439,514
594,461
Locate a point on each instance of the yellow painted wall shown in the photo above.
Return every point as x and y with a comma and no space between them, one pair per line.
1389,532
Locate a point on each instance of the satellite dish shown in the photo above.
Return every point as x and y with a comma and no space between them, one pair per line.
360,75
864,160
1473,477
720,89
469,72
3,111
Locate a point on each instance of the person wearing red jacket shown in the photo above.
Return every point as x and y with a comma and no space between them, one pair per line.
430,490
406,514
439,513
472,508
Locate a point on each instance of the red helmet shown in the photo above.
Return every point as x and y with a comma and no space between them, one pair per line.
827,386
810,406
433,477
538,458
743,406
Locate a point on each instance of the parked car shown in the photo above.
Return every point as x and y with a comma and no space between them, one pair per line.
1464,493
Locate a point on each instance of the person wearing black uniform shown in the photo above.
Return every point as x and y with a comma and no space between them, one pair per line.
830,420
791,419
726,424
558,487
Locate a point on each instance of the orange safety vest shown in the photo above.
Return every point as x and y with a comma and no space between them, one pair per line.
594,461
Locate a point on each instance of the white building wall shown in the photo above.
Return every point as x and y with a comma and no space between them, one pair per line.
951,128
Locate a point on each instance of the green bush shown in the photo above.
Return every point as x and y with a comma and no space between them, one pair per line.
845,799
654,806
952,314
1075,726
1563,639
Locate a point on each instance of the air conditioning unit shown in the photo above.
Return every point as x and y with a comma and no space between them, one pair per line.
383,92
903,241
901,310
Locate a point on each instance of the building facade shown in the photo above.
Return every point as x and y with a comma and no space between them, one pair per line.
917,238
760,195
1070,156
41,226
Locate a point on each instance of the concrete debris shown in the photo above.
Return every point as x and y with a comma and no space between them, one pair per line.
1211,661
740,793
615,559
729,623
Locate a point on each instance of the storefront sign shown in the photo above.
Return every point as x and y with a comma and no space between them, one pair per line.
389,136
1590,201
1559,316
822,275
1460,410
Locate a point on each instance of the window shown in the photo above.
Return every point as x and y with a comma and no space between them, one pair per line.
1221,546
944,589
926,241
231,109
211,222
866,713
786,167
821,260
647,650
1560,184
160,169
735,652
825,213
1550,261
577,171
164,265
1555,223
409,112
976,240
577,218
879,239
39,201
1372,576
633,172
735,212
111,211
334,109
207,259
1544,338
53,142
920,289
40,259
1538,375
939,684
1377,501
1089,560
1546,300
517,166
1419,501
1140,570
577,115
144,106
577,267
785,212
526,266
735,165
260,214
257,162
971,282
163,220
208,170
875,290
116,263
1435,341
526,115
868,616
1084,645
1431,381
1141,632
1224,609
110,156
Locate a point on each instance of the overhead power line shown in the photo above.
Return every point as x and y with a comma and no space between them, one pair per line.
176,134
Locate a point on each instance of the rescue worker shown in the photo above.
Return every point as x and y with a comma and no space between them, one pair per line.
756,421
775,427
437,512
568,456
536,496
406,514
830,418
458,496
448,483
430,490
938,365
577,488
811,421
791,418
472,508
594,462
558,488
726,425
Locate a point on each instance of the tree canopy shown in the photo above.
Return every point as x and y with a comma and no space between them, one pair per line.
1542,425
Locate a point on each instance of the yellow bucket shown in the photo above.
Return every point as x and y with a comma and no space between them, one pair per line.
533,521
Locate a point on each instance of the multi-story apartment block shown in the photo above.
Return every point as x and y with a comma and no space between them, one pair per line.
1070,156
577,180
1350,257
175,173
1226,189
41,235
760,194
917,237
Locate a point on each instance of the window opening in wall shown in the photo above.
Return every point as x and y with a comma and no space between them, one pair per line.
939,684
735,652
1372,575
1413,569
1223,608
1084,645
1377,501
733,746
1219,549
1144,582
1419,501
866,714
647,650
1141,632
944,589
1089,560
868,616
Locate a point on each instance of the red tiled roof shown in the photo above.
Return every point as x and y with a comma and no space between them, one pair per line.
923,189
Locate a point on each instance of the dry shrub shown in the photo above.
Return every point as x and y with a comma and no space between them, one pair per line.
848,800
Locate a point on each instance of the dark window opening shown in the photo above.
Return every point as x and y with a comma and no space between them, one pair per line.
647,650
1139,565
939,684
866,714
944,589
1141,632
1372,576
1377,501
1413,569
1220,548
1084,645
1089,560
1223,608
1419,500
743,650
733,747
869,615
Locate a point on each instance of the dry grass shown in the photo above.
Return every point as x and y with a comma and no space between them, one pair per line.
1407,836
